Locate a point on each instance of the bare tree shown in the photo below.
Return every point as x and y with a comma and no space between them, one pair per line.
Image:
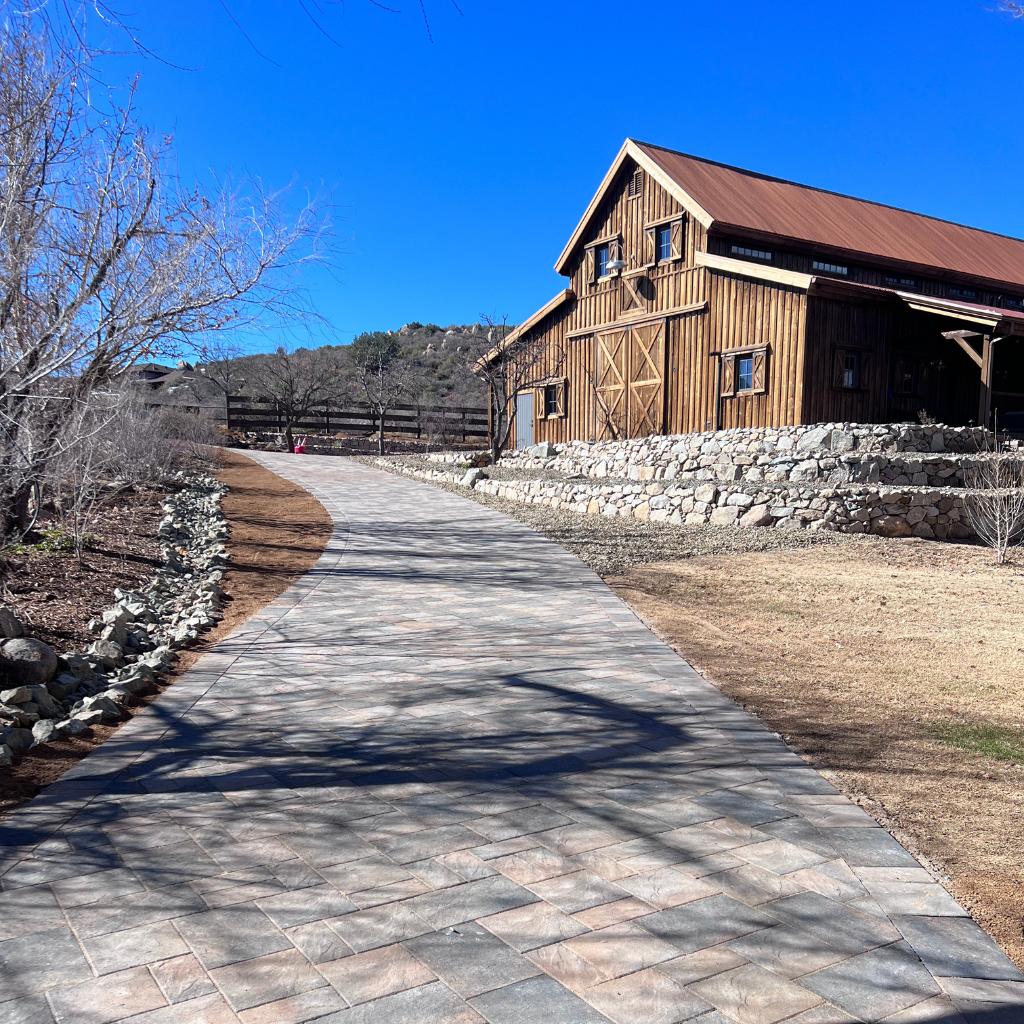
105,258
1013,9
382,375
510,365
218,363
298,383
994,499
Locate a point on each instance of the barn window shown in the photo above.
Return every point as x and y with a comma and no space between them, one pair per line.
636,184
601,261
663,242
750,253
910,283
744,372
849,369
967,294
555,399
830,268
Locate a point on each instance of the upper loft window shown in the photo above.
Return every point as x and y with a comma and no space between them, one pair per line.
601,257
663,242
830,268
892,281
1011,302
967,294
635,189
750,253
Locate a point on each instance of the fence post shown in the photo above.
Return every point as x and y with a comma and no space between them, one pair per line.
277,410
327,416
463,426
227,410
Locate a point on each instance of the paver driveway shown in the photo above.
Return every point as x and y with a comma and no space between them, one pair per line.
449,777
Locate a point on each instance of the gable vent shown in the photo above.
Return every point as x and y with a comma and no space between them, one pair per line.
636,184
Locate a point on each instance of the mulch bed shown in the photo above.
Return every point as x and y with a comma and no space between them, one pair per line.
278,531
56,593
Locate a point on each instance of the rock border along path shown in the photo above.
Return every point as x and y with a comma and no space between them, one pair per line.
450,777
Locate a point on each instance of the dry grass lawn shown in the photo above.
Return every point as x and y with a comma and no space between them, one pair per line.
896,667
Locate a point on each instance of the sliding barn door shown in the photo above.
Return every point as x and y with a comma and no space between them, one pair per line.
612,370
646,400
631,381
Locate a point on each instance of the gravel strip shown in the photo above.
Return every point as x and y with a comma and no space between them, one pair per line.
613,545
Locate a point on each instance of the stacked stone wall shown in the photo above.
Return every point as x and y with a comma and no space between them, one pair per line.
894,479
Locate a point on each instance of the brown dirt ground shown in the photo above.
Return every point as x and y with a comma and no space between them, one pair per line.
278,531
56,594
854,654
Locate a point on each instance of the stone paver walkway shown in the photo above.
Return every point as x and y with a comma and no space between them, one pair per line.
450,777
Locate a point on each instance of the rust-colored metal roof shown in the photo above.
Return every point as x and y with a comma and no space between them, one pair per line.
771,206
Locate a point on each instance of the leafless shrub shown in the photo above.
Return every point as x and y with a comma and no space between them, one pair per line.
110,442
994,500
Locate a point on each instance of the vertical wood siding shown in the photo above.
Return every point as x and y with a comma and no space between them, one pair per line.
738,313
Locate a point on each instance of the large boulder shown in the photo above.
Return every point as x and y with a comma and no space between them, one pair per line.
29,660
544,450
892,526
10,625
756,516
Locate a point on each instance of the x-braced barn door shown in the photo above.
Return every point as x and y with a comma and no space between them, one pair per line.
646,404
612,355
631,381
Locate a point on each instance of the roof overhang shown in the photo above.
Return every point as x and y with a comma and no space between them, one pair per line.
527,325
1001,321
630,151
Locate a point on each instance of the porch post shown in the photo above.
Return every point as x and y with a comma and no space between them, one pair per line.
985,391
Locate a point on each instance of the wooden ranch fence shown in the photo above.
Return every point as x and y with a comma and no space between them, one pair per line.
445,422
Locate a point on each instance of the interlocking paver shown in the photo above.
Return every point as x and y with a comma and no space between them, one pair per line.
752,995
132,947
36,962
222,937
537,924
265,979
109,999
647,997
537,1001
451,751
875,984
706,922
182,978
470,960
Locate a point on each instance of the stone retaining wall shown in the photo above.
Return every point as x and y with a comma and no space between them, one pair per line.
887,511
879,448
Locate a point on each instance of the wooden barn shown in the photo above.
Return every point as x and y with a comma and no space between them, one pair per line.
703,297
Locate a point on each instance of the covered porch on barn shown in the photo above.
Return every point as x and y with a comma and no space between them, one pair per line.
990,339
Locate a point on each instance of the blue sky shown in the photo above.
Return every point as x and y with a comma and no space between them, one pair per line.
458,163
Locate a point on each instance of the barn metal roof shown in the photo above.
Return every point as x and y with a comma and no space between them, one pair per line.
747,201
